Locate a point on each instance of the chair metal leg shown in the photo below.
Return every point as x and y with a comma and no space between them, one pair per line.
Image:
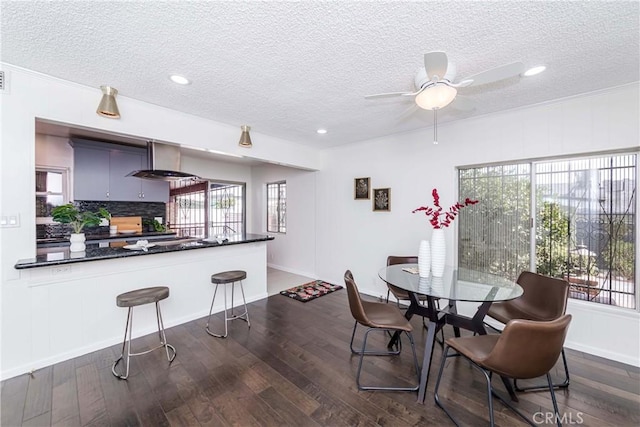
127,343
244,316
226,332
487,376
563,384
163,337
374,353
415,358
553,399
368,353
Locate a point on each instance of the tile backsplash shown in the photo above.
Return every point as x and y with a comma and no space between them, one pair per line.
147,210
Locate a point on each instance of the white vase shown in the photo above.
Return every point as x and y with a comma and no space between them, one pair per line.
438,252
424,258
77,242
437,287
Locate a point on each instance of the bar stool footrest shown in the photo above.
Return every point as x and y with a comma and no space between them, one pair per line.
169,358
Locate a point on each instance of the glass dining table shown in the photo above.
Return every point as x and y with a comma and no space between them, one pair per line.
455,285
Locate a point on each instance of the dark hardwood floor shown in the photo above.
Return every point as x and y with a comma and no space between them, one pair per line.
293,368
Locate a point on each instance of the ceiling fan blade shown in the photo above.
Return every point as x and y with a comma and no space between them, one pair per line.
389,95
464,83
463,104
436,63
495,74
410,111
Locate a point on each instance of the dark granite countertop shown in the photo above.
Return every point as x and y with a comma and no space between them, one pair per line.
47,257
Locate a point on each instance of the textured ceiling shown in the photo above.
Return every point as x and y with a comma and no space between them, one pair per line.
287,68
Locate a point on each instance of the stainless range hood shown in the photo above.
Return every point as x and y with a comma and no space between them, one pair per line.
163,164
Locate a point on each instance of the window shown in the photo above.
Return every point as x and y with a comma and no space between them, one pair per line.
277,207
226,209
51,191
570,218
206,208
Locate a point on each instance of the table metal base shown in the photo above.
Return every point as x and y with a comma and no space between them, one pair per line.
436,321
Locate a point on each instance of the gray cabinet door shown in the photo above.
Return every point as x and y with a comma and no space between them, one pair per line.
122,187
154,191
90,174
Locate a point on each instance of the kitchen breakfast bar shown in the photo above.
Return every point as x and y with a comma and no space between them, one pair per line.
72,296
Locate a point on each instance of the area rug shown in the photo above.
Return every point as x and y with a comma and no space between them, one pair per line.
310,291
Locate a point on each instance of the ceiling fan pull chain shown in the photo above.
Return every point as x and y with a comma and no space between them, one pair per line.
435,126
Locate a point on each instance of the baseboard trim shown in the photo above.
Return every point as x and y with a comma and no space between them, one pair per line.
293,271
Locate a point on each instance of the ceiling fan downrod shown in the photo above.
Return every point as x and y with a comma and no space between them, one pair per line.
435,126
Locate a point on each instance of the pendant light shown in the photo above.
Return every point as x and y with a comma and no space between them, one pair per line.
108,107
245,139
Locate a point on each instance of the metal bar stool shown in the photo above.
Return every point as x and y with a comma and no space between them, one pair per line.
130,300
223,278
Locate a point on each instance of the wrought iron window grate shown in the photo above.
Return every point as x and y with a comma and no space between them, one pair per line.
584,212
277,207
206,209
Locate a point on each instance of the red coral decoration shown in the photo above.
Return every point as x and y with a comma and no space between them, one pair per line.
435,214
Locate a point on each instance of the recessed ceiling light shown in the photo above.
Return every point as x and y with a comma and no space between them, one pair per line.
535,70
179,79
321,131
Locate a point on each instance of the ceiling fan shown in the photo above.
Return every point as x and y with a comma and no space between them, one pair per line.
436,87
435,83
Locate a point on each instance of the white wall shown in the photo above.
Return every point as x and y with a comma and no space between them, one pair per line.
352,236
293,251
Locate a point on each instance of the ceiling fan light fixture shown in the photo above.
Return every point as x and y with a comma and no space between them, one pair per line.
435,97
245,138
533,71
108,106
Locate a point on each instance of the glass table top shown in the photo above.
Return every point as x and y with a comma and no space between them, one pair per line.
476,286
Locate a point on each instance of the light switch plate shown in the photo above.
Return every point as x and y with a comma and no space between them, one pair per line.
10,220
159,219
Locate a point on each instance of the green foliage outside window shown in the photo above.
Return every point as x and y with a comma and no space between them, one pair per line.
552,235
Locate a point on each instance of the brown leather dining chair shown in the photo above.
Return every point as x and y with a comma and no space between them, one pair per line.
400,294
525,349
544,299
377,316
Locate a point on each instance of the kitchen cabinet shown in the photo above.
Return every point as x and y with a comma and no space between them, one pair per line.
101,169
90,174
152,191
